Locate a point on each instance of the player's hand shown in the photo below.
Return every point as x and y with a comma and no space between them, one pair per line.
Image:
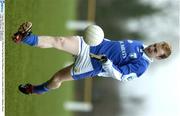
100,58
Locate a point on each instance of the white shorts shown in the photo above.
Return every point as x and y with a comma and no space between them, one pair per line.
82,67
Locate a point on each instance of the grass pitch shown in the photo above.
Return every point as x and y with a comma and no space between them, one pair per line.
28,64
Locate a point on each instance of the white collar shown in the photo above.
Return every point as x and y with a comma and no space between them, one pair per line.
147,57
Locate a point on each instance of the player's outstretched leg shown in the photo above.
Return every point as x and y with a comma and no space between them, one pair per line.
68,44
53,83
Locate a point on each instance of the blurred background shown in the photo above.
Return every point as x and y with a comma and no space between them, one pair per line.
156,93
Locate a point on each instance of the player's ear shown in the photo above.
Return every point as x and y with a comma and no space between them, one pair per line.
158,58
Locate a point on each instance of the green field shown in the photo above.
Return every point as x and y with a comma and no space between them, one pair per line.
29,64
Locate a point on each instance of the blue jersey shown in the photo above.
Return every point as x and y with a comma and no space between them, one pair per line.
126,59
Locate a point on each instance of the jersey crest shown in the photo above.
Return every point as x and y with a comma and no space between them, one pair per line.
133,55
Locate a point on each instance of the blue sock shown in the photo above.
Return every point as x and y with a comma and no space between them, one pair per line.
31,39
39,89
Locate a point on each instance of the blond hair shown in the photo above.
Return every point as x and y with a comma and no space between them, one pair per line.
167,49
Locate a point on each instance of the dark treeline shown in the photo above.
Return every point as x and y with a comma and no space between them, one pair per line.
111,15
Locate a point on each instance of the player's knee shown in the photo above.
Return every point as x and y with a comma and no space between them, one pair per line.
59,42
56,79
55,82
57,85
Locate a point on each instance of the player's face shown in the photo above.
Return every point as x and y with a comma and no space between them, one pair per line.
155,50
